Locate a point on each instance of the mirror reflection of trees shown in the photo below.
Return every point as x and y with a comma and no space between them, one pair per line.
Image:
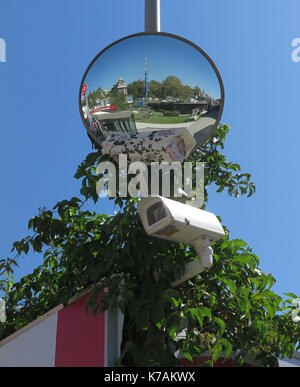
171,89
136,89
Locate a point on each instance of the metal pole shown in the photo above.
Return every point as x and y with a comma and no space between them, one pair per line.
152,15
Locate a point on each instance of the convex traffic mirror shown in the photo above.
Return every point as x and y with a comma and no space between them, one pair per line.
154,96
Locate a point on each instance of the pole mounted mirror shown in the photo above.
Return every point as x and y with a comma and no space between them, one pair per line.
153,95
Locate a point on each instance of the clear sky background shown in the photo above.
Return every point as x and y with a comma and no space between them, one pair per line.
51,43
165,55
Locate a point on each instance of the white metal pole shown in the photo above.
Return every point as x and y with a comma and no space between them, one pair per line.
152,15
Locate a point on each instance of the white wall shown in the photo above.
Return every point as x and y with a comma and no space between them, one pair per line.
33,348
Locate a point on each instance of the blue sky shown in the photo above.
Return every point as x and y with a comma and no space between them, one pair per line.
165,55
51,43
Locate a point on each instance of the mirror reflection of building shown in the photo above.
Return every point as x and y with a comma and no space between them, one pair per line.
107,124
120,87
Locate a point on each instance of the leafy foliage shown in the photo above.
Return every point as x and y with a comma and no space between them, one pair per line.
229,309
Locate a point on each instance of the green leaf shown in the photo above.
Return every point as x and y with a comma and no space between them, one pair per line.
230,283
37,244
175,302
216,352
290,295
199,314
227,346
221,324
92,158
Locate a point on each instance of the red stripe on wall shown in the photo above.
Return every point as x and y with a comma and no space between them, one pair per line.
80,337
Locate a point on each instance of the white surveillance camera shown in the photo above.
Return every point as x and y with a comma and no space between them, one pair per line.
178,222
169,219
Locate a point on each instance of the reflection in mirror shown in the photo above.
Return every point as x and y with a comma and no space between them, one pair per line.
153,96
